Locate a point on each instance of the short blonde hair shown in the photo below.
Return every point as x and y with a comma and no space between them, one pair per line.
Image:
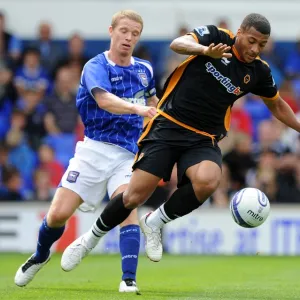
129,14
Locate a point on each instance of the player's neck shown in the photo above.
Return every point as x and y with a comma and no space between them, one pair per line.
237,52
123,61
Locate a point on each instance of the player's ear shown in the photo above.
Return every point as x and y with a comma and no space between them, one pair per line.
239,32
110,30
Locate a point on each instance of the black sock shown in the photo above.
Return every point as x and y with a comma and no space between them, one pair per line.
182,202
113,214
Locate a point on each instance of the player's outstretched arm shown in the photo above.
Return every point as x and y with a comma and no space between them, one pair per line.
189,46
283,112
116,105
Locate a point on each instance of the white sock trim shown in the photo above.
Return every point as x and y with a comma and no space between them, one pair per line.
164,215
158,218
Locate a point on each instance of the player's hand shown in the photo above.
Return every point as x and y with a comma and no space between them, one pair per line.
145,111
218,51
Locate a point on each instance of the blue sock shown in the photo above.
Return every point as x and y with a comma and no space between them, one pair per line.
129,248
47,236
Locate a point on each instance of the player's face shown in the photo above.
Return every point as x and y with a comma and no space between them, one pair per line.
125,36
250,43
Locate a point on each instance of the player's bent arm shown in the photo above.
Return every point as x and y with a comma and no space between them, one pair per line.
187,45
283,112
116,105
152,101
113,103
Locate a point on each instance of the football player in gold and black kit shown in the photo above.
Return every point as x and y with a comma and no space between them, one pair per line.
192,116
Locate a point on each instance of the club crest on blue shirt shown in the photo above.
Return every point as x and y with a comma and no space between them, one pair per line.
72,176
143,78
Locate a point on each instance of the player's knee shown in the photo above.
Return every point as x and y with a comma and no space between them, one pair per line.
205,185
57,217
132,199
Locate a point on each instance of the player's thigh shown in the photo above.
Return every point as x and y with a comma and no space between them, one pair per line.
154,162
201,166
120,175
87,177
157,159
63,206
118,183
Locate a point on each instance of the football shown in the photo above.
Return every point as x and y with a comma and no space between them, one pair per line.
250,207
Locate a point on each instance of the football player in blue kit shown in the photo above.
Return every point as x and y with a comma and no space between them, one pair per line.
116,91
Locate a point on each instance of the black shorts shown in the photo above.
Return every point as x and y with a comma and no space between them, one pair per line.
167,144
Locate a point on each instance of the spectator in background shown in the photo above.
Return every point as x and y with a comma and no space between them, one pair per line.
171,59
10,191
269,54
7,95
49,164
32,83
258,112
42,186
34,110
31,76
265,177
292,64
223,23
21,155
291,138
287,179
79,130
297,176
239,161
276,173
241,123
76,51
292,69
287,91
240,118
61,118
4,151
143,53
62,114
274,61
6,79
277,176
50,52
269,139
10,45
75,59
223,193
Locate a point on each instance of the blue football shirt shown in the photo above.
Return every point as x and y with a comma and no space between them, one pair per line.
134,84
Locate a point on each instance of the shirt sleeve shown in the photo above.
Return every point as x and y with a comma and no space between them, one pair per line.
205,35
151,90
266,87
95,76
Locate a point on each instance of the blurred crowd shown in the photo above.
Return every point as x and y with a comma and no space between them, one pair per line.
39,123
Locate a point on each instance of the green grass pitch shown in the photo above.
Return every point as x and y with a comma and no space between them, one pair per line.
175,277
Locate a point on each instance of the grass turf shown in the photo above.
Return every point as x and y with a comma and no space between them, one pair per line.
175,277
